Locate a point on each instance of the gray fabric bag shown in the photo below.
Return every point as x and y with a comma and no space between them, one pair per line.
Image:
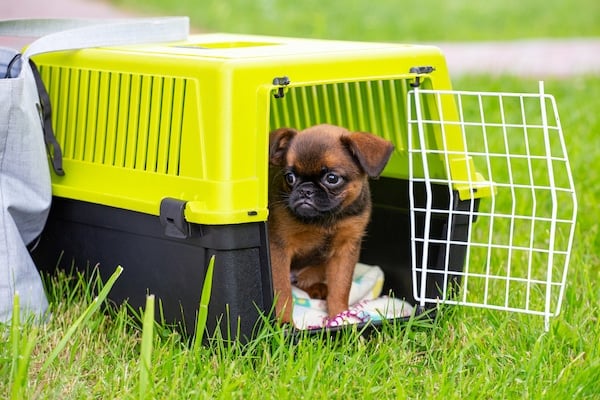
26,137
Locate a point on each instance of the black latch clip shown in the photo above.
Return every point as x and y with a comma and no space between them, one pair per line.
282,82
422,70
172,218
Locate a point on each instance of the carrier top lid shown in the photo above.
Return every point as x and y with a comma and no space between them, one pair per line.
239,46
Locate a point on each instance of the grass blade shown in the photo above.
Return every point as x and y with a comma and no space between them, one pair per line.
14,346
146,350
24,358
92,308
20,352
204,299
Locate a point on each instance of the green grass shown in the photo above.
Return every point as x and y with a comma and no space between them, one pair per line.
388,20
466,353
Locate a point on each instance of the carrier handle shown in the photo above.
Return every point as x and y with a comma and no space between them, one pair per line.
60,34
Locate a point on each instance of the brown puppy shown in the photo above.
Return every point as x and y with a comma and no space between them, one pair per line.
319,205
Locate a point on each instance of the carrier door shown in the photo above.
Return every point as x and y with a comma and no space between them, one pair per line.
495,229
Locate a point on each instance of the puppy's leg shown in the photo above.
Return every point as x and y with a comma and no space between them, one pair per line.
282,287
340,270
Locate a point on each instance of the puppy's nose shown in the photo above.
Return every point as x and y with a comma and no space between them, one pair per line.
306,191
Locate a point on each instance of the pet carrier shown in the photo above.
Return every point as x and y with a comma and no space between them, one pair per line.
165,158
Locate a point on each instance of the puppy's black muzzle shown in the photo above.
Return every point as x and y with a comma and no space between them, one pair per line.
312,204
306,190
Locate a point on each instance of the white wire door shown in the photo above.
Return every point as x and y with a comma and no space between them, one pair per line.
493,205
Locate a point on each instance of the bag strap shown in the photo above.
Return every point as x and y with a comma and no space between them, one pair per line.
52,147
73,34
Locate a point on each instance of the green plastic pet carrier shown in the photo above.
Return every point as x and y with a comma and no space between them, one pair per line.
165,152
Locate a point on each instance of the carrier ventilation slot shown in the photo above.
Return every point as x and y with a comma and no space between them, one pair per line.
377,106
117,119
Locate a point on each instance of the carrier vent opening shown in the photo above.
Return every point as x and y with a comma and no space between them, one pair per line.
377,106
118,119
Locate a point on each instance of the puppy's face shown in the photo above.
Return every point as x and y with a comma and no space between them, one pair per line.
323,170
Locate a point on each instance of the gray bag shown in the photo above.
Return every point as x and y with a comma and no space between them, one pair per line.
26,135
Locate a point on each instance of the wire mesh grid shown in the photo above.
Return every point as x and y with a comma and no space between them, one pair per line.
493,205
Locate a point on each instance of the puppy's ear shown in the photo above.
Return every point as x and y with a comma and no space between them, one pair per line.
372,152
279,142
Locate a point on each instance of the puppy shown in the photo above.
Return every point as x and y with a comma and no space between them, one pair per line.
319,206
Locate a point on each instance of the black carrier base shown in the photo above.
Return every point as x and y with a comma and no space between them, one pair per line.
82,235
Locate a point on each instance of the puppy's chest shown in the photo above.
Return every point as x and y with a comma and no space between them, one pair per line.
313,247
314,251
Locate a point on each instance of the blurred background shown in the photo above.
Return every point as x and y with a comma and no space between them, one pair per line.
388,20
371,20
528,38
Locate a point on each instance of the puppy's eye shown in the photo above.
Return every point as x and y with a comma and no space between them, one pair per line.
290,178
332,180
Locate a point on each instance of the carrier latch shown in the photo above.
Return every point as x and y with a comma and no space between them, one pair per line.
422,70
282,82
172,218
